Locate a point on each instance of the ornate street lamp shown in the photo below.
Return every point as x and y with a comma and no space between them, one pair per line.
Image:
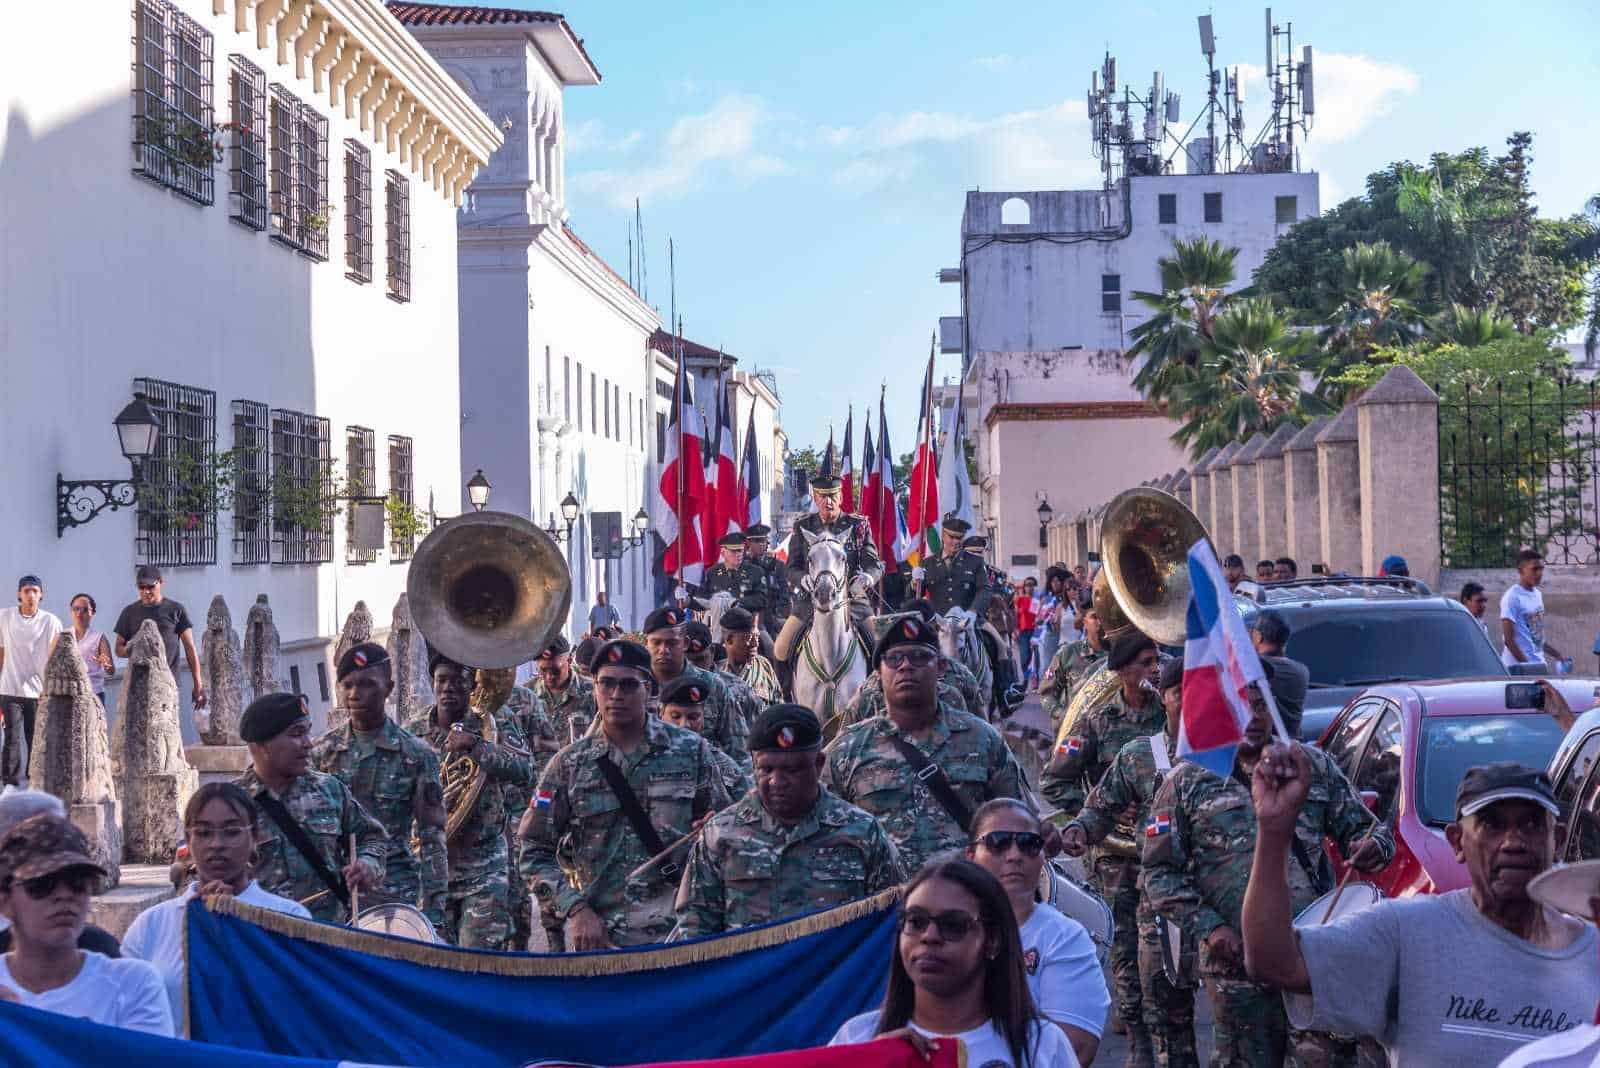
80,500
569,515
641,524
478,491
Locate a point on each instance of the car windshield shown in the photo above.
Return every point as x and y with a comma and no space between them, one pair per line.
1452,744
1361,648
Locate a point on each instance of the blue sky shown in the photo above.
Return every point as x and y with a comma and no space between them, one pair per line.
810,160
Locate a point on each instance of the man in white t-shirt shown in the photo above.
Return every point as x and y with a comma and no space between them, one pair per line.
27,633
1522,615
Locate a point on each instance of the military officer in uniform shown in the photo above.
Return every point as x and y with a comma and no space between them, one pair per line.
921,768
1079,762
1197,854
735,575
567,696
745,662
486,766
790,847
1071,665
1122,798
661,780
774,582
863,566
683,705
303,809
666,639
394,776
956,579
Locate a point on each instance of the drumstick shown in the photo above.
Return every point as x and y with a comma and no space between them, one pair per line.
1349,870
355,891
667,852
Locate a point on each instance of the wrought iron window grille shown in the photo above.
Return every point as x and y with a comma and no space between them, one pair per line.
397,239
247,142
174,133
357,211
177,499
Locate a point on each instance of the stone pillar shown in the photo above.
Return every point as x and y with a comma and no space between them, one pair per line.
408,659
1270,498
1200,488
153,778
1220,524
1246,514
1339,487
1397,424
70,757
1302,493
261,649
223,660
357,629
1180,488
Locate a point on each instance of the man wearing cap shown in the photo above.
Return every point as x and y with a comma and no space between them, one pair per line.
27,634
1291,678
1122,798
863,566
567,696
774,583
1198,841
1459,978
307,816
957,687
1071,665
394,776
704,653
921,768
683,705
745,662
956,579
171,619
617,797
790,847
666,640
736,576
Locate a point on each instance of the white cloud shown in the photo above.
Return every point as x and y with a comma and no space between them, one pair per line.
589,137
1351,93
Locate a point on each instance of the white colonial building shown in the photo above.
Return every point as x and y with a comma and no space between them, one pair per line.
247,213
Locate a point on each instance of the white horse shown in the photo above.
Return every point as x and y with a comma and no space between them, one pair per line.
959,640
830,665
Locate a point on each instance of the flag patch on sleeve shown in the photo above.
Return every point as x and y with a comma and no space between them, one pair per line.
1070,747
1158,824
543,798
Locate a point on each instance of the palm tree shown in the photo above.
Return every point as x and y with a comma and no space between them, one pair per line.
1194,282
1591,334
1468,327
1247,379
1375,303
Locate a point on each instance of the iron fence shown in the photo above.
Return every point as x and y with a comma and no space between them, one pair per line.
1519,466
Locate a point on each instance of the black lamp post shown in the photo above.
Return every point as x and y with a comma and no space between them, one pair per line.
478,491
569,515
641,523
1046,513
80,500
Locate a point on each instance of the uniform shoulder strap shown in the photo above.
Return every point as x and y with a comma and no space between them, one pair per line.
933,778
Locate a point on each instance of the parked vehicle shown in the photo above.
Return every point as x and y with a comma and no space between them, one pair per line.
1573,771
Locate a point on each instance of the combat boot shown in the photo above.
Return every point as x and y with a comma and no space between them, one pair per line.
1140,1052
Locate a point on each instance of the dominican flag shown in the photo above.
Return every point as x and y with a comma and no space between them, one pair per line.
870,485
750,475
890,526
922,510
1157,825
1219,663
723,507
847,473
681,493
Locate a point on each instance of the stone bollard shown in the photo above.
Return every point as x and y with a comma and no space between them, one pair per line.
1246,513
1397,423
261,644
1221,497
1339,486
1200,489
221,756
153,779
408,657
1179,488
1270,496
357,629
71,758
1302,494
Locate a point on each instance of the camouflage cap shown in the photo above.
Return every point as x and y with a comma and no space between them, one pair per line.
42,845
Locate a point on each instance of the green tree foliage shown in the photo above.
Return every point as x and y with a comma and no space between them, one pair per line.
1374,303
1194,282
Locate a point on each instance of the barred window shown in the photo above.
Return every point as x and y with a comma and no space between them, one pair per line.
247,137
302,488
298,174
357,211
252,483
174,138
402,493
177,512
397,216
361,480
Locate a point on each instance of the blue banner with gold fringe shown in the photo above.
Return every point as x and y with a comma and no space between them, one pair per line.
263,981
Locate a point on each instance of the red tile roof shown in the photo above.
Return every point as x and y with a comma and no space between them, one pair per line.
661,341
412,14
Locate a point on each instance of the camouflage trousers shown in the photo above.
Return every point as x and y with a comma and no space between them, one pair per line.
1118,879
1168,1010
1251,1030
477,911
518,903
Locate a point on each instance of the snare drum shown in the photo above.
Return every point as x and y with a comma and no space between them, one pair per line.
1355,897
1060,892
399,920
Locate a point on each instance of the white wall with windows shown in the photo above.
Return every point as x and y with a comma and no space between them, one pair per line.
187,213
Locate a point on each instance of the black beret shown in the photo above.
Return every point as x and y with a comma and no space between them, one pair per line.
1127,650
1171,673
786,727
663,617
435,658
907,631
620,652
731,541
738,620
759,530
359,658
584,653
699,635
684,691
558,645
271,715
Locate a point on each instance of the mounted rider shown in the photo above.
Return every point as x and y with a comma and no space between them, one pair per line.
863,567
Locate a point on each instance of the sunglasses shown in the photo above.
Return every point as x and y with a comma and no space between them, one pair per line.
918,658
952,926
622,686
42,886
1029,843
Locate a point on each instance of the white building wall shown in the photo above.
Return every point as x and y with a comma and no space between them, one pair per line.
106,277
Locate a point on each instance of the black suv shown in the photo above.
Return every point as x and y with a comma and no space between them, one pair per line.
1351,633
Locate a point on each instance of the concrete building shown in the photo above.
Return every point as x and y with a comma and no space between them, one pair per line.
249,216
1045,286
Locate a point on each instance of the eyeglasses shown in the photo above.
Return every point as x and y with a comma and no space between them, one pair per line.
952,926
1029,843
76,879
227,833
916,658
627,687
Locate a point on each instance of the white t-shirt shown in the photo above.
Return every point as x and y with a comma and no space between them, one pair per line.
156,934
118,993
985,1048
27,641
1525,609
1064,975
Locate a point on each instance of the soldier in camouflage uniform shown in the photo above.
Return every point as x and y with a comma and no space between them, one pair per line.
740,640
1070,666
788,848
1197,855
1075,768
702,653
394,776
668,645
1127,787
683,705
478,905
867,767
567,696
957,685
277,729
672,776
